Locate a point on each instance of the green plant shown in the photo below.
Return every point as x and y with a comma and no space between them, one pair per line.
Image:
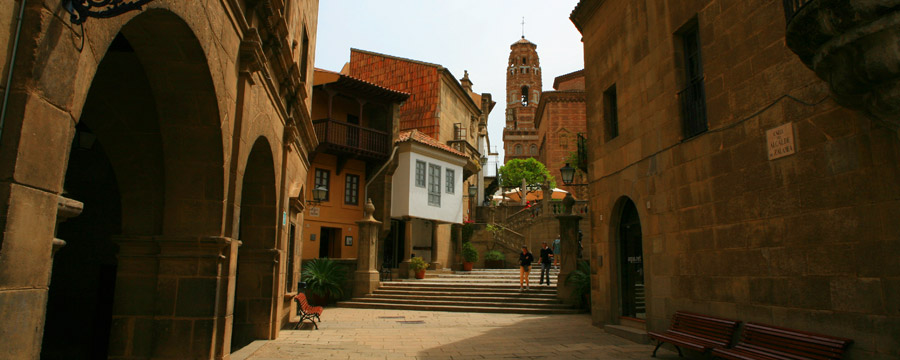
324,277
494,255
417,264
469,253
533,171
580,280
495,230
467,230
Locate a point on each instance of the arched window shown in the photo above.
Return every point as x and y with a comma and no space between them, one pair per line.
533,149
519,149
524,96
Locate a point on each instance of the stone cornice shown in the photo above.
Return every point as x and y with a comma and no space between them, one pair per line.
583,11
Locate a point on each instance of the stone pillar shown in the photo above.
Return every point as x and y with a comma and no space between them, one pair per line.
435,247
366,277
568,232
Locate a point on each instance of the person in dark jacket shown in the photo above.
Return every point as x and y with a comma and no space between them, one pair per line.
546,255
525,260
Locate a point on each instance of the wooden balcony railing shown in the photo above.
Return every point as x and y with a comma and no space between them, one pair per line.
792,7
353,139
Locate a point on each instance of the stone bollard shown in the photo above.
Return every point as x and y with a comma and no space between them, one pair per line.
568,232
366,278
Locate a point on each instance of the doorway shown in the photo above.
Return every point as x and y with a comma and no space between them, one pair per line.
393,245
631,263
82,285
329,243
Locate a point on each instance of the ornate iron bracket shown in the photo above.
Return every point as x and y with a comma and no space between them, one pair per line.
81,10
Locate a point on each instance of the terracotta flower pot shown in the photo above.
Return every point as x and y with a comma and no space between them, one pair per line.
420,274
467,266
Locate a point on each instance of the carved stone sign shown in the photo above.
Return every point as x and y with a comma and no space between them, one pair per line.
314,211
780,141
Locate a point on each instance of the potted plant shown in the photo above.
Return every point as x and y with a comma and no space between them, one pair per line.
580,280
470,255
494,260
324,279
418,265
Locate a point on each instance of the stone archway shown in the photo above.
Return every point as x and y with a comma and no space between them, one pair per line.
153,115
257,260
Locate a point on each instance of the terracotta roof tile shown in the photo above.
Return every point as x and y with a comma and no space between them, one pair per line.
421,138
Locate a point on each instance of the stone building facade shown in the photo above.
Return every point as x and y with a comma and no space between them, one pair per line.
181,135
734,184
523,93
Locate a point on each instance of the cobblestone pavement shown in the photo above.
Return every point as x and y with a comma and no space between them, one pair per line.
397,334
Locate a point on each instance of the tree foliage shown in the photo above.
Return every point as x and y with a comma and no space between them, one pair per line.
529,169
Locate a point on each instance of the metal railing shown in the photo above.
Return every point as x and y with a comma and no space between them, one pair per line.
352,138
693,108
792,7
464,147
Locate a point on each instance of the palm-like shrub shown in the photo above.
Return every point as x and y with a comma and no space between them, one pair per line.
580,280
324,277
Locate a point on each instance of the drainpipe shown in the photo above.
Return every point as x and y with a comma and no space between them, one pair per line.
12,65
388,162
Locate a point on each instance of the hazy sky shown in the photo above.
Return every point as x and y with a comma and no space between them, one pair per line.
458,34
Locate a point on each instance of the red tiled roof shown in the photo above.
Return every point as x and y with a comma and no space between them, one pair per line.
421,138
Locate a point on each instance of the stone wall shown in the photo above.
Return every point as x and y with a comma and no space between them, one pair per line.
806,241
206,109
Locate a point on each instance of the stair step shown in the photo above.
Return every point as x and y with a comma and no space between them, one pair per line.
464,288
456,308
481,294
627,332
510,298
369,299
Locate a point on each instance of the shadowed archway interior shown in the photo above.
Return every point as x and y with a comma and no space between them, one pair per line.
257,260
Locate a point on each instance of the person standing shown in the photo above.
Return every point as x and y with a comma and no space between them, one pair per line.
556,251
525,260
546,255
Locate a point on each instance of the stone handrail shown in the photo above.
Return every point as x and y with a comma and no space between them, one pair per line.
538,210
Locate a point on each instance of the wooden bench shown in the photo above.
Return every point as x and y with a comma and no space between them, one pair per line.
307,312
769,342
696,332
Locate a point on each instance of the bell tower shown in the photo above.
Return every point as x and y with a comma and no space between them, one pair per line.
523,92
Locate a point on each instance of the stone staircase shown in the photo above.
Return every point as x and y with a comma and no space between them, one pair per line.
493,291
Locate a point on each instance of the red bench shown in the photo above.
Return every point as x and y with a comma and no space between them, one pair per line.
769,342
696,332
307,312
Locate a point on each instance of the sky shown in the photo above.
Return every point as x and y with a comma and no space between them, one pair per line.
458,34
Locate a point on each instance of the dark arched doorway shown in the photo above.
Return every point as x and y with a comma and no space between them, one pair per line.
631,263
257,257
82,285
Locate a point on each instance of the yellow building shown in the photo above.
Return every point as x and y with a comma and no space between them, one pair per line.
356,123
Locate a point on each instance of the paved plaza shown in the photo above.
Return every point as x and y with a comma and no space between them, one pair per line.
400,334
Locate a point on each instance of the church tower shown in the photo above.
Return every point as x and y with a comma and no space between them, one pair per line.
523,91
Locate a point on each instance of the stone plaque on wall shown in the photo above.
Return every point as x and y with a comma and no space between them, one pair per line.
314,211
780,141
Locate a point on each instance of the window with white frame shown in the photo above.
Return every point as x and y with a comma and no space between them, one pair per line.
451,184
434,185
420,173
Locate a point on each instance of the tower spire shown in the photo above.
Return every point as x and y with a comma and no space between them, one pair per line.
523,27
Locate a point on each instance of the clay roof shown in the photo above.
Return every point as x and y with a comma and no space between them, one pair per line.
569,76
322,76
419,137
